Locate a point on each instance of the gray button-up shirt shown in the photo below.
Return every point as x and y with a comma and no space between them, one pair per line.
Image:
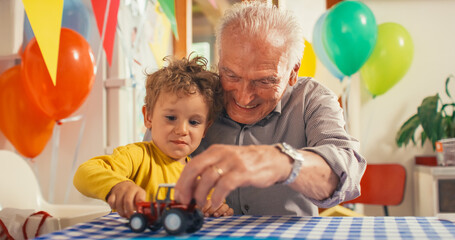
307,117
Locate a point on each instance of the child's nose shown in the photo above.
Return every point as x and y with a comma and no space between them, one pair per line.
181,128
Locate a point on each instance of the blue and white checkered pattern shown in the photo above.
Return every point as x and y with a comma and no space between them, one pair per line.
292,227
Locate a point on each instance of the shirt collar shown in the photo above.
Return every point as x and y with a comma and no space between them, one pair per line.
163,156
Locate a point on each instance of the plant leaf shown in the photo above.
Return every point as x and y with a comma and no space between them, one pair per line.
430,118
407,131
448,122
447,85
423,138
446,105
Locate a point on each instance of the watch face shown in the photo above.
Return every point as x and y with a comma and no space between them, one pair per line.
292,152
287,146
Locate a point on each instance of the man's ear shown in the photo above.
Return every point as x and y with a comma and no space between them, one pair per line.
147,117
294,74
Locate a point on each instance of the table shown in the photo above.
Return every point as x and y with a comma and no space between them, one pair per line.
292,227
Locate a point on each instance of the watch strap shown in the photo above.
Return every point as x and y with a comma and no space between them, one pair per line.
296,156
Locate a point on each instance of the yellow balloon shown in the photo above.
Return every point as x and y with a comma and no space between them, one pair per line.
308,64
390,60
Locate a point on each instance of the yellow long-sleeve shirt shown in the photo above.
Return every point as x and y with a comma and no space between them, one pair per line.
142,163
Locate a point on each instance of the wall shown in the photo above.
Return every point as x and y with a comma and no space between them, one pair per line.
102,125
92,112
375,121
430,24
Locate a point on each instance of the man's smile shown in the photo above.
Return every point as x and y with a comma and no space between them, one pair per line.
245,106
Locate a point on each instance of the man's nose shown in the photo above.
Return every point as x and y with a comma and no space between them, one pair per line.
245,93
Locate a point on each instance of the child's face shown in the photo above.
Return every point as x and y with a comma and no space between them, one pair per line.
178,123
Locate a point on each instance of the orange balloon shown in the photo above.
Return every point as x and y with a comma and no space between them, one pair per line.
308,64
21,121
75,75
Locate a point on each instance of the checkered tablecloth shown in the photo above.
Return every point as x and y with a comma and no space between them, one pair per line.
292,227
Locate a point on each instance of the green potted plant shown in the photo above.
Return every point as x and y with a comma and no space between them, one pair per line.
436,118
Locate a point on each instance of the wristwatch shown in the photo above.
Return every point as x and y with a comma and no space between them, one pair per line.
296,156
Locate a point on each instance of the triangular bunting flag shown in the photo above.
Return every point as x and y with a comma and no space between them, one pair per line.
99,10
46,20
168,7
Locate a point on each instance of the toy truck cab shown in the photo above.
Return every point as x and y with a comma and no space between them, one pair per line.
174,216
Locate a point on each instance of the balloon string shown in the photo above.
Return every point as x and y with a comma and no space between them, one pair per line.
345,102
33,164
366,133
35,169
103,32
130,60
76,153
55,146
141,26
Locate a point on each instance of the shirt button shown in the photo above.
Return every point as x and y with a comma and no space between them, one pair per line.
246,207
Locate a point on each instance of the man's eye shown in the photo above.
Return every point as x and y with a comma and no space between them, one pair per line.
171,118
230,77
263,83
194,122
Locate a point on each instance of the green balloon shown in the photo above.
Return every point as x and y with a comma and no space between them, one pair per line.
349,35
390,60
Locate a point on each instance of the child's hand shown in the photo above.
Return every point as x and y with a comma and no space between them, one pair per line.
123,197
223,210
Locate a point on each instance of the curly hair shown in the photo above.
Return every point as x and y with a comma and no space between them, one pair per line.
185,76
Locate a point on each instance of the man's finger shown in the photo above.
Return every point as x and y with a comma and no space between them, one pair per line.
224,186
187,183
189,179
205,184
207,206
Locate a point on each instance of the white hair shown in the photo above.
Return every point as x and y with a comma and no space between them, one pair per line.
259,19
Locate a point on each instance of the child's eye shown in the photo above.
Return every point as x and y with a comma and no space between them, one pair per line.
194,122
170,118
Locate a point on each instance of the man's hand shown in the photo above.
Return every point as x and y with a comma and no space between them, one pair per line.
223,210
124,196
226,167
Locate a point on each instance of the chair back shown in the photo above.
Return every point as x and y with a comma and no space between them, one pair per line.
382,184
19,186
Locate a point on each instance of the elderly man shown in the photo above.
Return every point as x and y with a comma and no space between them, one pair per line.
279,147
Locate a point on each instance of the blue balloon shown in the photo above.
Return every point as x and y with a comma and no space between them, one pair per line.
75,16
320,51
28,32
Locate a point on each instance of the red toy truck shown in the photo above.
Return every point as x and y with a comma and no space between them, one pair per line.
174,216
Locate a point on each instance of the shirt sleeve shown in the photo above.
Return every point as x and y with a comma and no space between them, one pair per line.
96,177
327,137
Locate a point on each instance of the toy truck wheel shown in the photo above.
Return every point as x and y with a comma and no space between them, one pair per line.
175,221
197,220
138,222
